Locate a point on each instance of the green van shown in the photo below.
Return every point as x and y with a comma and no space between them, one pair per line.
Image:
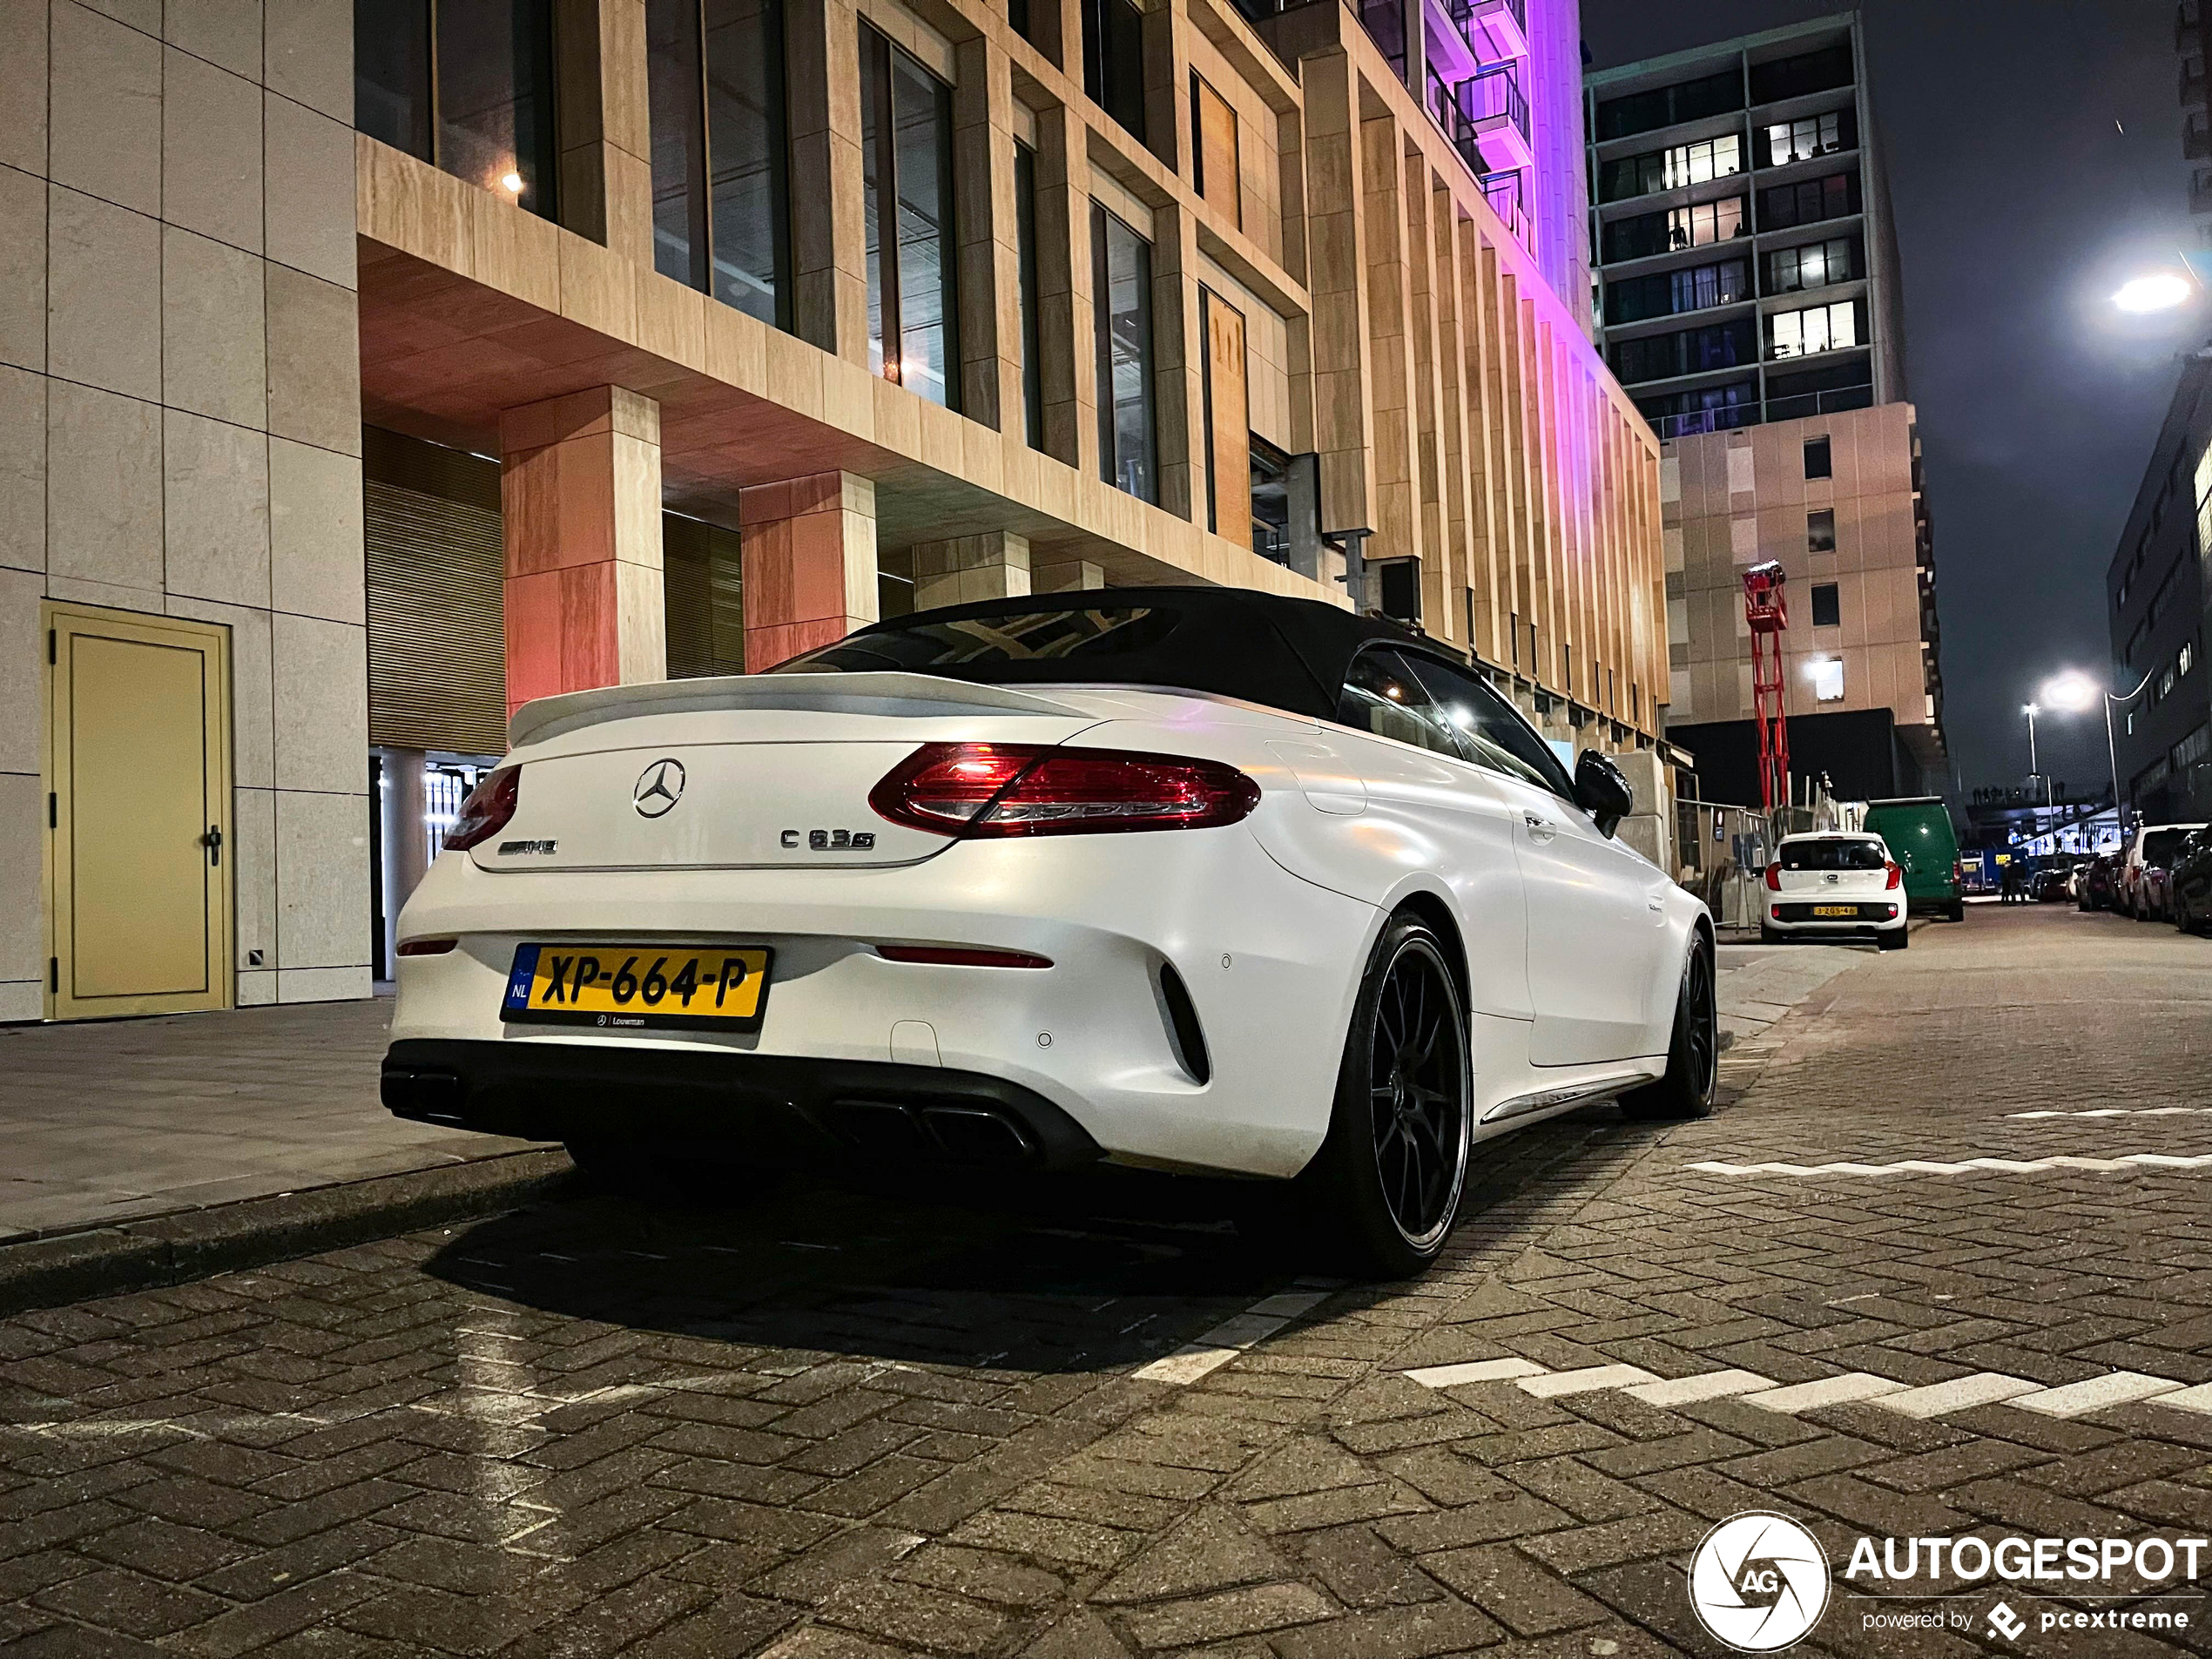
1917,829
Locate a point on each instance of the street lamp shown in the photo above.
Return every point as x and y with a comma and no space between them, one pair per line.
2033,771
2074,692
2155,291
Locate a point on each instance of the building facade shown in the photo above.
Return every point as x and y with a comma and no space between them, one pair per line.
2156,589
366,374
1748,298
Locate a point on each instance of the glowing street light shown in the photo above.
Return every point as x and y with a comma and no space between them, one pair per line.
2074,691
2156,291
2071,692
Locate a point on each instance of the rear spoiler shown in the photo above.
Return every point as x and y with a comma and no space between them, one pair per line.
907,695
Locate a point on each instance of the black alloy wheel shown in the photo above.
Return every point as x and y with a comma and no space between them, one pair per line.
1693,1053
1417,1088
1384,1191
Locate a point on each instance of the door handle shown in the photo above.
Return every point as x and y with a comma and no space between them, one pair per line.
1540,828
214,842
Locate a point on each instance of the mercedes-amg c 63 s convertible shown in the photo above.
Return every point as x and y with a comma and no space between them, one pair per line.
1187,879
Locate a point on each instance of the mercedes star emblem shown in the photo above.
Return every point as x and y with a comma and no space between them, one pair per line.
659,787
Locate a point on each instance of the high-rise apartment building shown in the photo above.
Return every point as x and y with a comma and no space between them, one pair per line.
368,368
2154,588
1748,300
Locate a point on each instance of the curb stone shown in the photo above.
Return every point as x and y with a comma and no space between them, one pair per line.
148,1253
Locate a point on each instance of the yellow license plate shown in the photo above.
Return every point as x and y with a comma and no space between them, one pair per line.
635,987
1835,910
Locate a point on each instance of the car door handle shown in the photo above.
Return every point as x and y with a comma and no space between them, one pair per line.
1540,828
214,842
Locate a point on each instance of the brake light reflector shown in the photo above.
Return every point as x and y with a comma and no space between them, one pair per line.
490,804
1897,876
427,947
973,790
959,956
1774,877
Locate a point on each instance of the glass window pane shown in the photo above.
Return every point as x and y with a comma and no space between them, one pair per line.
745,130
1025,230
392,74
679,141
1381,696
1491,728
1123,274
874,50
496,97
922,109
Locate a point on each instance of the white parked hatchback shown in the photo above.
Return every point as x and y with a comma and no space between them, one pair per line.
1836,884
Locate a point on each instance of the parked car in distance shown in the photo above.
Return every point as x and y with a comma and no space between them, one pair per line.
2093,891
1836,884
2141,884
1917,830
2189,883
2048,886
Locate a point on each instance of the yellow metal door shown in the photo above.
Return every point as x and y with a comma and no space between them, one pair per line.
138,839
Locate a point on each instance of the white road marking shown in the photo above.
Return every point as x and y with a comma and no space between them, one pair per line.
1922,1166
1554,1384
2120,1388
1960,1393
1936,1400
1829,1391
2198,1399
1475,1372
1688,1391
2121,1111
1232,1337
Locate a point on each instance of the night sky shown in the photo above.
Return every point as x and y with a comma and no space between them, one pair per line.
2020,209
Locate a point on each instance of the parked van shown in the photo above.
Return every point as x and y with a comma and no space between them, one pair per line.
1918,830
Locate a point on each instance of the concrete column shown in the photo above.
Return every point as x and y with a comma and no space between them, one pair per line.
579,491
828,200
606,184
990,259
995,565
810,565
1337,253
1066,575
1178,366
1167,87
1068,368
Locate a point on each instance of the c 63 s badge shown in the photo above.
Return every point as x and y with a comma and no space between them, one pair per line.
510,849
830,841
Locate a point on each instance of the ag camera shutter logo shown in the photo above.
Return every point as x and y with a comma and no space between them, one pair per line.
1759,1583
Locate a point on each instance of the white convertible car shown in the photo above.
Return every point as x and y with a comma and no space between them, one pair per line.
1187,879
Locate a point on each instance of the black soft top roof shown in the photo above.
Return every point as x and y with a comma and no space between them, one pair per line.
1285,653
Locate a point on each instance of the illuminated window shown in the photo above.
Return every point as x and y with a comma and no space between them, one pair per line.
1827,677
2187,660
1696,164
1802,334
1706,222
1815,135
1816,265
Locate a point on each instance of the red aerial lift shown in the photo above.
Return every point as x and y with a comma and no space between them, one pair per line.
1766,608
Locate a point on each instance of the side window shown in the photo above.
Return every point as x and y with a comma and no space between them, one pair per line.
1492,728
1381,696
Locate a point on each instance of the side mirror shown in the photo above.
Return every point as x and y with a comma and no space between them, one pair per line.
1601,791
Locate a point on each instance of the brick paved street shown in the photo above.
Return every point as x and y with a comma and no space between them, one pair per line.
827,1425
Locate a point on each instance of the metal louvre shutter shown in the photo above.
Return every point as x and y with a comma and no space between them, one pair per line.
702,575
437,652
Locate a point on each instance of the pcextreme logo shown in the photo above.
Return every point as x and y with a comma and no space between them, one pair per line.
1759,1583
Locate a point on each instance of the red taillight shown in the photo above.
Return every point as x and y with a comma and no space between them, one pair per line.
972,790
955,956
1959,873
490,804
1896,877
1774,877
427,947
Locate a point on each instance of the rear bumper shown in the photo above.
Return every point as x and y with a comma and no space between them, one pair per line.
1874,916
769,1108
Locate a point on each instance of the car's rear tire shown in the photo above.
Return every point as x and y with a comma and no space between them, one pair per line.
1386,1184
1693,1051
1956,910
1770,936
1895,938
